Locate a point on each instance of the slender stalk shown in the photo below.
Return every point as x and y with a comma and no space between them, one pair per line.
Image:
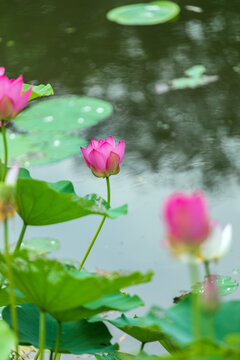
59,357
58,342
142,346
20,239
108,190
196,305
168,345
206,267
51,355
5,151
92,243
10,281
42,334
210,325
98,229
37,355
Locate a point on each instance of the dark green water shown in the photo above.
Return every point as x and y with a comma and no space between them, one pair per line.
183,139
72,46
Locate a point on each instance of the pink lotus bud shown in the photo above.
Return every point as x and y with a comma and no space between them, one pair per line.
187,221
8,194
210,297
12,100
103,157
12,175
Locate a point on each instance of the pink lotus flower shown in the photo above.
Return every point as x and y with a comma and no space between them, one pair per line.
12,100
103,157
187,221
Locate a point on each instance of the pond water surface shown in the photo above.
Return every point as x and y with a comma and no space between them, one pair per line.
179,140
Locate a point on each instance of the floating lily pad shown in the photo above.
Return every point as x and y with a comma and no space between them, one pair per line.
152,13
195,71
225,285
49,123
39,149
195,9
184,83
194,78
63,114
78,337
41,245
53,148
38,90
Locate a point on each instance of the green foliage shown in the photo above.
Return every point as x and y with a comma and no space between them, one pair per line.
198,352
42,203
38,90
225,285
54,288
4,297
47,125
152,13
23,173
116,301
62,114
176,324
41,245
195,77
43,148
7,340
145,329
78,337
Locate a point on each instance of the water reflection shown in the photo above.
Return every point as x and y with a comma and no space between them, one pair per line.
191,128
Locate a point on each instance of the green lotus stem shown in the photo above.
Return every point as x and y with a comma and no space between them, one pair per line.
206,267
59,357
196,305
20,239
99,228
142,346
58,342
10,281
108,191
51,355
42,334
210,326
37,355
5,151
168,345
